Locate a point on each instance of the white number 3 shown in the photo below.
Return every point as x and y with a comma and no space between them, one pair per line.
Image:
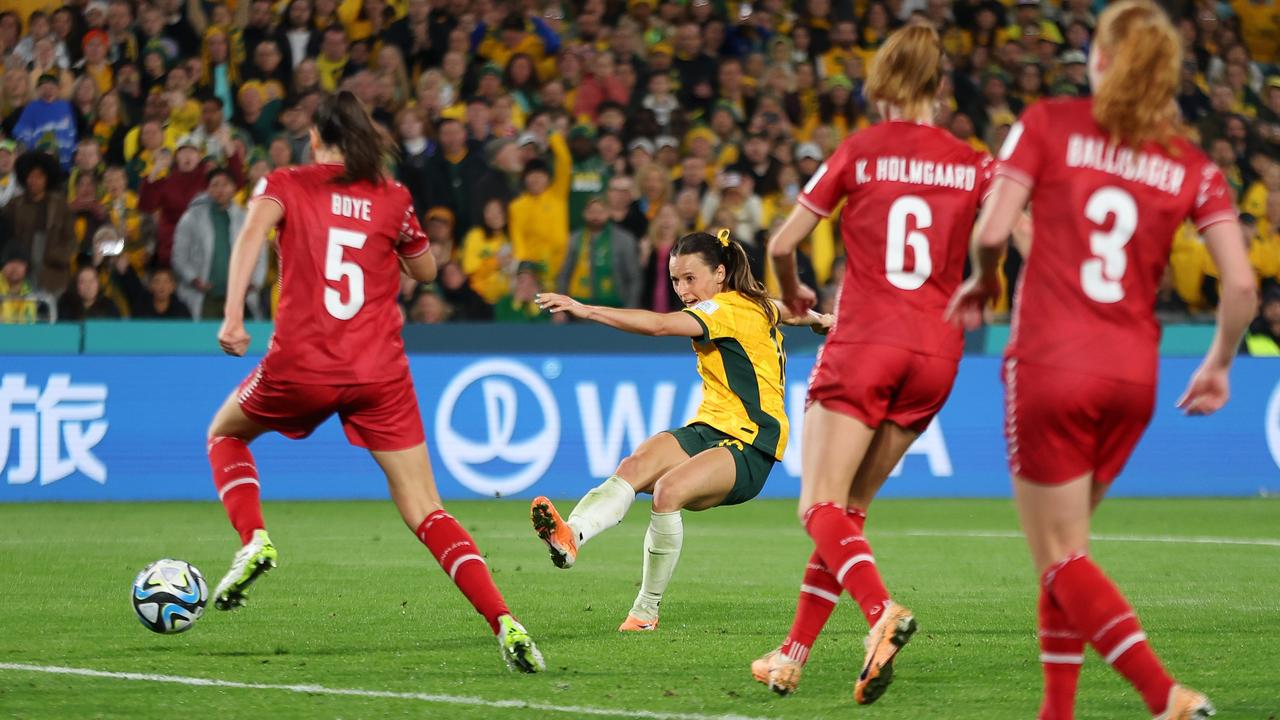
895,257
1100,276
337,270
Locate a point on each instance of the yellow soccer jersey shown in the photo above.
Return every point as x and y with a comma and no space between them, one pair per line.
743,369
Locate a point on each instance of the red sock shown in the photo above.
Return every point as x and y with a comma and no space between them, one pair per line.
236,479
1061,655
460,558
819,593
843,548
1097,610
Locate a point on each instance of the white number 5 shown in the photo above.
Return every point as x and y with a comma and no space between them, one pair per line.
337,270
895,257
1100,276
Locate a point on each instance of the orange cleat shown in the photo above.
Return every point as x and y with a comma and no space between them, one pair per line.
893,630
1186,704
635,624
780,673
555,532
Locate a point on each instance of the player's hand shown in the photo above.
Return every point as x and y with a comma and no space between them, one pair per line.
233,338
554,303
799,299
822,322
966,306
1207,391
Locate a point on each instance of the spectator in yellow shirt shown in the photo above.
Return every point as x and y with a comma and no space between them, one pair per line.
17,306
487,257
539,217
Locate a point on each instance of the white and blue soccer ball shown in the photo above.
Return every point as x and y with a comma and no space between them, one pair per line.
169,596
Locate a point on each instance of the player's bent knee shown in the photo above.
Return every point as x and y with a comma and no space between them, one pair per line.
668,496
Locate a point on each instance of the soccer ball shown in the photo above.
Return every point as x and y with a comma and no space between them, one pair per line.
169,596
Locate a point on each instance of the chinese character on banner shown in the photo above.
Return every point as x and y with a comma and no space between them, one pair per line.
52,433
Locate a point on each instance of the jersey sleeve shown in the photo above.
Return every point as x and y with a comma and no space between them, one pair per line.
275,187
1213,199
714,317
831,183
412,241
1022,155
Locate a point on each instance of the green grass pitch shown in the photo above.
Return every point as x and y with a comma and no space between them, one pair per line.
358,603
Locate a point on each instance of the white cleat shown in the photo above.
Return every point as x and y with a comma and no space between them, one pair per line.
254,559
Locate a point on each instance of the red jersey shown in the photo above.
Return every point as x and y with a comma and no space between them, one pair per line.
337,322
1103,220
912,193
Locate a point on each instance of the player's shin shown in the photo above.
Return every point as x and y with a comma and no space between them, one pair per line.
819,593
844,549
1100,613
1061,656
662,543
235,476
459,557
601,508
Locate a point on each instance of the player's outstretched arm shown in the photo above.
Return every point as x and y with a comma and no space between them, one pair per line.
640,322
264,214
1000,214
1209,389
782,248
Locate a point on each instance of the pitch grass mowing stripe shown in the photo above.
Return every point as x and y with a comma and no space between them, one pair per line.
1104,537
356,692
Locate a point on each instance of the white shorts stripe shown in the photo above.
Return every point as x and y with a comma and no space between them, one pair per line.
1124,646
458,563
848,565
820,593
222,493
1061,659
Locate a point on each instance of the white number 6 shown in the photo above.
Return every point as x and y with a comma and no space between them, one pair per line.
1100,276
895,257
337,270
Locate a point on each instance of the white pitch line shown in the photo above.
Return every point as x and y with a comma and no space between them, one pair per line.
357,692
1014,535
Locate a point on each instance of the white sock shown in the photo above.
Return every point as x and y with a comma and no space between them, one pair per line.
601,509
662,545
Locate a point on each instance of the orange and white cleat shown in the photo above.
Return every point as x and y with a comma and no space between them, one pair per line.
779,672
893,630
555,532
1186,704
635,624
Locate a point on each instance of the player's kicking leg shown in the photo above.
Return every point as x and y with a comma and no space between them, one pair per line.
607,503
236,478
414,491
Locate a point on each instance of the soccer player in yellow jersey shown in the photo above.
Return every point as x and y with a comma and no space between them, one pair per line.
723,456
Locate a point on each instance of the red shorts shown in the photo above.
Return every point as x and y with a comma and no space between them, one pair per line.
378,416
878,383
1061,424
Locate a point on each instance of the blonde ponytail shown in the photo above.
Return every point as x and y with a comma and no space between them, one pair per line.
1134,102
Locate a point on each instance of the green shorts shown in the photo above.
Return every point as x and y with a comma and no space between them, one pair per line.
752,463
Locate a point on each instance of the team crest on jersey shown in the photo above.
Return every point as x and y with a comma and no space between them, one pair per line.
707,306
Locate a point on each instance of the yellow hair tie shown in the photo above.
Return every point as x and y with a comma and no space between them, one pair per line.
723,237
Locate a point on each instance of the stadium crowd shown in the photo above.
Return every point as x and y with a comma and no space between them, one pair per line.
547,145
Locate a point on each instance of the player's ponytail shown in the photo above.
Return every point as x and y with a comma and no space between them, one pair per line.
719,249
907,70
1134,102
345,125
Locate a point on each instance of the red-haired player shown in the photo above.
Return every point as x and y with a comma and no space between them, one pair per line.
344,230
911,192
1109,180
